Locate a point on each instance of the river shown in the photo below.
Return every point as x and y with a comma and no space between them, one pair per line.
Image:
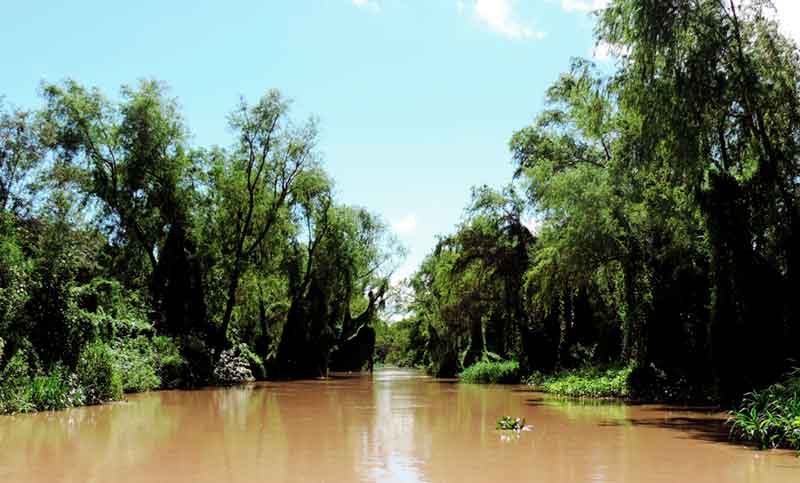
396,426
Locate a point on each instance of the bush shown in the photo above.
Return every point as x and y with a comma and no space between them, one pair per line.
21,393
589,382
168,361
233,366
135,360
770,418
15,382
502,372
255,362
113,310
98,375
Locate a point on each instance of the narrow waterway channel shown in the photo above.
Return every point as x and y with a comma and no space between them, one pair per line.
396,426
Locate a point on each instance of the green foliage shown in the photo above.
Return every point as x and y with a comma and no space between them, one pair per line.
20,153
255,363
114,311
400,344
770,417
15,282
492,372
15,385
467,295
98,374
588,382
135,360
146,363
20,392
168,362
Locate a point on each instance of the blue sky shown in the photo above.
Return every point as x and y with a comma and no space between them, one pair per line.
417,98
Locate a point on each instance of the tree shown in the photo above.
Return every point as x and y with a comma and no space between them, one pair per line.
713,91
20,153
253,184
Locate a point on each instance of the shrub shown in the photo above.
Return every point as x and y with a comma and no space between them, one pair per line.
98,375
146,364
15,394
501,372
233,366
135,360
255,362
168,361
113,310
770,418
21,393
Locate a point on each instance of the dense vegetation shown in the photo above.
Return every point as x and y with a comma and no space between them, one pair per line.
131,260
651,225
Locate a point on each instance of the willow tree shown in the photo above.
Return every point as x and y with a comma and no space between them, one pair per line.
712,86
130,157
20,153
251,186
340,263
616,241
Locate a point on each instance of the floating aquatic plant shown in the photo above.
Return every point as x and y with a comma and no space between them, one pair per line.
508,423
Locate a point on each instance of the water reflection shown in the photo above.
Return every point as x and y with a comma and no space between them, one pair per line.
398,426
85,441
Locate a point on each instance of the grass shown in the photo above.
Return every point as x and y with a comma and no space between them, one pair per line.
770,418
585,383
491,372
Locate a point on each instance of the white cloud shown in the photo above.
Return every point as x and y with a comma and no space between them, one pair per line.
584,6
499,17
789,17
405,225
372,5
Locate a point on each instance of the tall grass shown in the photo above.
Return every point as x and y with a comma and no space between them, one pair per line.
585,383
491,372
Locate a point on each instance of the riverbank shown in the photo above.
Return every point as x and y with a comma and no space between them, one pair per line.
584,383
107,371
767,418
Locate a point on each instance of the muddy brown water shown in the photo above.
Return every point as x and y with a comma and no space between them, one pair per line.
396,426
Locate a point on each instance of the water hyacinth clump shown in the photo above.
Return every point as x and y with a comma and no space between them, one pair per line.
508,423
